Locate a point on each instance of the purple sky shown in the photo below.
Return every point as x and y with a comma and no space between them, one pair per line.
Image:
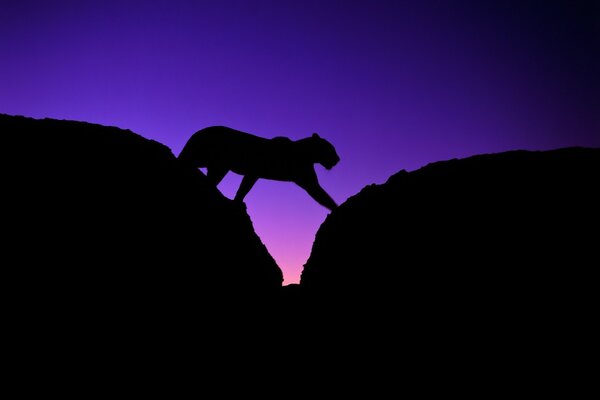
392,84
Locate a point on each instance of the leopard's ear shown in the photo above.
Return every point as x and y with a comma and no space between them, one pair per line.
316,136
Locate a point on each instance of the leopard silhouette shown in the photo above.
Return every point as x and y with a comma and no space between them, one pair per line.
221,149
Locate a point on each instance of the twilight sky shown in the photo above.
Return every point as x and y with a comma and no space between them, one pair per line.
392,84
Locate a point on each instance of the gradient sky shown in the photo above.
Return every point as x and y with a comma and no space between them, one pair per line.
392,84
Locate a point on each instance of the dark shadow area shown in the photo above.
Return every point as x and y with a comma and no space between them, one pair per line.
114,241
473,259
221,149
106,225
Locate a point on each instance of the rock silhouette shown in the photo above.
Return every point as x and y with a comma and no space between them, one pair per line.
105,221
462,270
221,149
106,224
493,234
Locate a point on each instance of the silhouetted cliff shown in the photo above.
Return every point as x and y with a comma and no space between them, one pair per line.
509,229
103,219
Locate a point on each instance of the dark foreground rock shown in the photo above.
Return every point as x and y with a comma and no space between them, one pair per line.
499,241
467,272
101,220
